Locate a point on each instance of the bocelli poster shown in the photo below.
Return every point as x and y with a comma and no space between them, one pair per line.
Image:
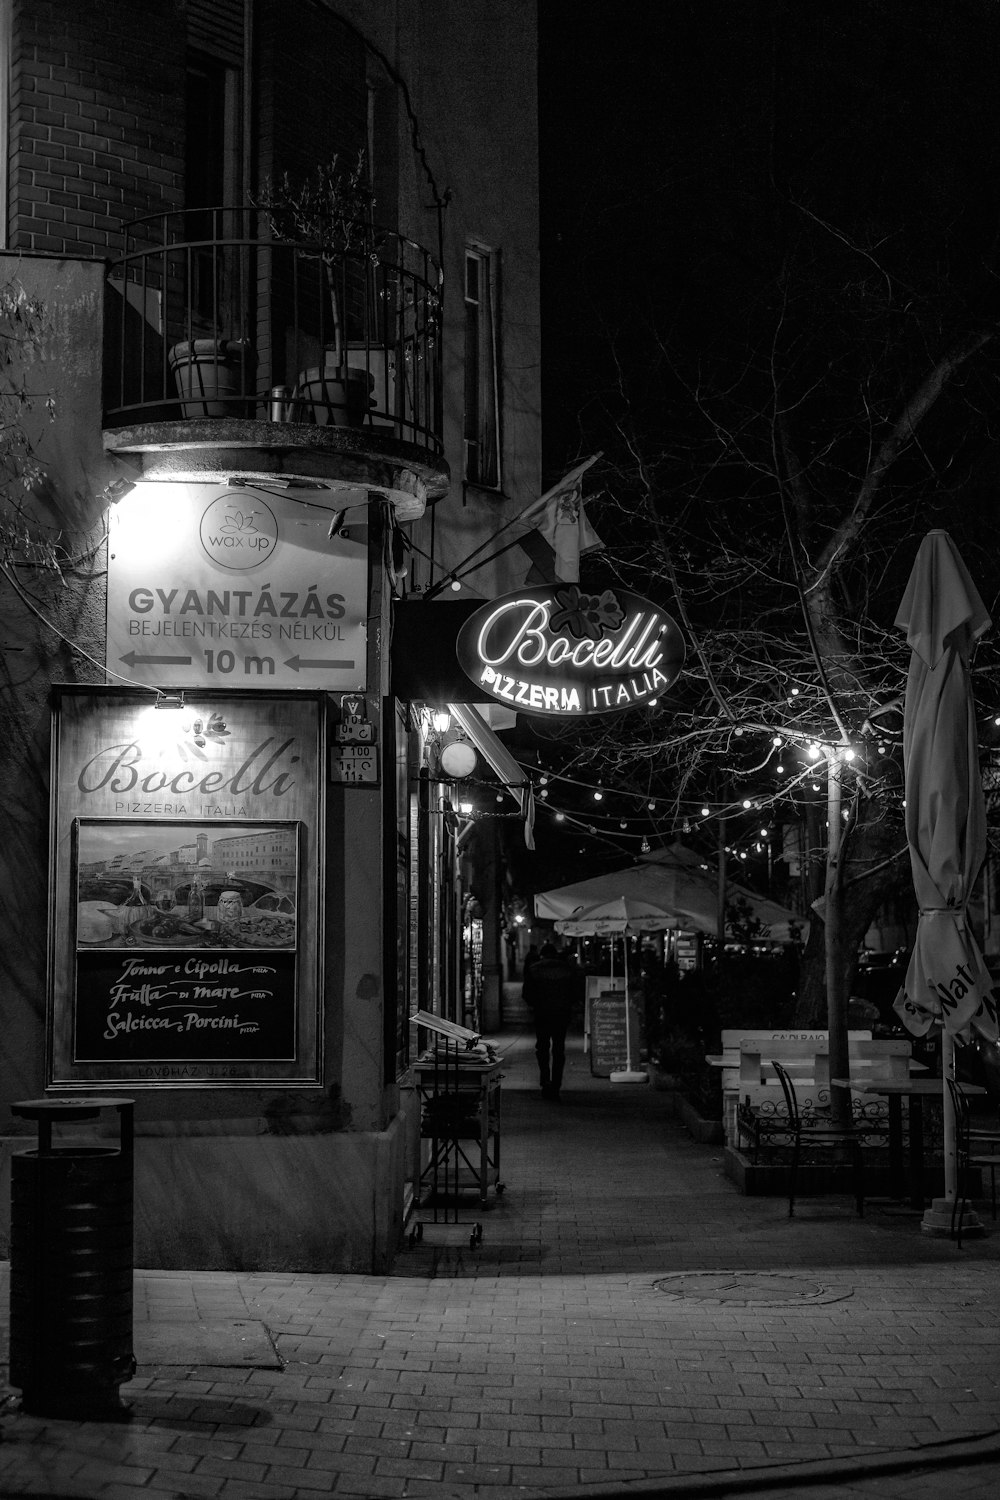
185,888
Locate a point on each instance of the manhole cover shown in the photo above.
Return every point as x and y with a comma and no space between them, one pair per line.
751,1288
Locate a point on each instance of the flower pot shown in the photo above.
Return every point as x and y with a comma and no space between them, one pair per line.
333,394
207,381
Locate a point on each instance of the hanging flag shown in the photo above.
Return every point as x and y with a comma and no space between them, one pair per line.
556,530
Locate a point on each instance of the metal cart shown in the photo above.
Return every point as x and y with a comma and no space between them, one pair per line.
459,1091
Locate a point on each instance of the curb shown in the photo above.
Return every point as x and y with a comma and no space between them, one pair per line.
950,1453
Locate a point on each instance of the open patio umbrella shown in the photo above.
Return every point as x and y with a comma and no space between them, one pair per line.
947,985
621,914
677,883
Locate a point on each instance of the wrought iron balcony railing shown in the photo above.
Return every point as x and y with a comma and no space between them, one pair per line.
208,320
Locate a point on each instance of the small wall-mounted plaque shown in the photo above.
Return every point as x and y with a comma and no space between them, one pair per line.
353,765
354,732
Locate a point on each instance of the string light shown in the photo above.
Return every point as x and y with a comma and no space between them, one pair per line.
644,846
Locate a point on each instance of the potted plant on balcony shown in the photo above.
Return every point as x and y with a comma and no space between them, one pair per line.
208,376
330,211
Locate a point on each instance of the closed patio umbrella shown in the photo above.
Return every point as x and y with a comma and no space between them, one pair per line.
947,986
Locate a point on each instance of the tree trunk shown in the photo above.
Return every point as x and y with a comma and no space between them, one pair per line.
874,867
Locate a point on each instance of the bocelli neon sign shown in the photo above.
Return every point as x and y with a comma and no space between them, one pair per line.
557,650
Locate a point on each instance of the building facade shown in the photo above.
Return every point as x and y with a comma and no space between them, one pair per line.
250,423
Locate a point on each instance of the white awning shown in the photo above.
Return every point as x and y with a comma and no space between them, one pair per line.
496,754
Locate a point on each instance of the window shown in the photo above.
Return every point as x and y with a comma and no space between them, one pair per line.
482,412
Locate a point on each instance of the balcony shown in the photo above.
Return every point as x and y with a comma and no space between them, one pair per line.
229,351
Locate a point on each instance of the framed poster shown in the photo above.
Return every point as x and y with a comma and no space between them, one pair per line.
186,883
180,958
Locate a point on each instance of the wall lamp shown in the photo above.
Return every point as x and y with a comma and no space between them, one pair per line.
118,489
440,720
166,699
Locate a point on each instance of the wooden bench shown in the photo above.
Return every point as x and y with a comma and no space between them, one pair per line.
772,1045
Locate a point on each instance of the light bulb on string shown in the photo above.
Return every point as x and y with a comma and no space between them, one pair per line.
598,796
651,806
560,817
776,742
544,792
623,824
780,770
747,803
705,812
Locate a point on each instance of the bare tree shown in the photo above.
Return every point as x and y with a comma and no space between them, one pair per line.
778,520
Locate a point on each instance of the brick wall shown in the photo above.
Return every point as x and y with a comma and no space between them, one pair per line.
97,120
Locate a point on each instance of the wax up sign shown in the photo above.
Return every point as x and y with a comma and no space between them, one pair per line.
234,586
560,651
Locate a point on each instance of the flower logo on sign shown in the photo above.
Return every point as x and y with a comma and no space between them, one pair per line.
585,616
238,522
235,538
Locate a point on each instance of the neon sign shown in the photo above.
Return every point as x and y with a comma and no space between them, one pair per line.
556,650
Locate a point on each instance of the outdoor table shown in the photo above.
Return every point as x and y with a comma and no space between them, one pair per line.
916,1090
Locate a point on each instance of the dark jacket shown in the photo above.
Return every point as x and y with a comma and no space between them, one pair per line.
552,983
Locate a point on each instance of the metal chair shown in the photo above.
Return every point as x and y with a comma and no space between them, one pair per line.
968,1139
817,1131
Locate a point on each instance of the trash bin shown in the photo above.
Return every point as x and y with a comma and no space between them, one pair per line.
71,1264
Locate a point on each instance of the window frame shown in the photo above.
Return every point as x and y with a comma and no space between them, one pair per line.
482,413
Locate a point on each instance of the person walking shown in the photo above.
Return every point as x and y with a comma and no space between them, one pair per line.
550,992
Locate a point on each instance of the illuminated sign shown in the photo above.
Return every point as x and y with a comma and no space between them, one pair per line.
557,650
223,586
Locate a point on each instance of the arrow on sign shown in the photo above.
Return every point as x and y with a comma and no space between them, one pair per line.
309,663
131,660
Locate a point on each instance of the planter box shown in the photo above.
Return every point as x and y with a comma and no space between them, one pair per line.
770,1179
707,1131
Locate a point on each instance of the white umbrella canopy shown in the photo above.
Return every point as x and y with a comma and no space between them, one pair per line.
947,985
676,886
620,914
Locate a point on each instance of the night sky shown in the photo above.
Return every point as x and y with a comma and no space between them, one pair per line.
688,145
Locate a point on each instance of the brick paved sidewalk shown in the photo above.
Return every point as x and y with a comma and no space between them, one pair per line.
629,1323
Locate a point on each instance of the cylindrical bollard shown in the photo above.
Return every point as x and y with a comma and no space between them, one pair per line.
281,403
71,1265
